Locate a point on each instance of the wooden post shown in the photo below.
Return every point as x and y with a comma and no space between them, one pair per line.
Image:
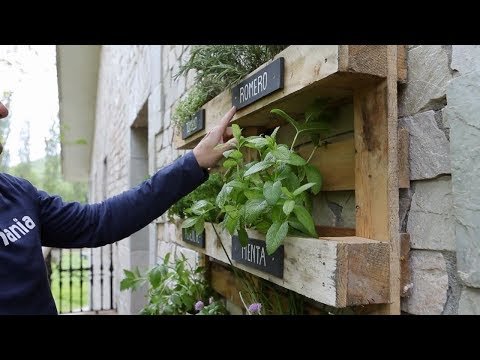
376,170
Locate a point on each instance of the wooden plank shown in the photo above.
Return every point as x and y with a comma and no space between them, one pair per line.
331,270
223,281
311,71
367,59
405,271
331,231
402,63
376,169
336,163
403,164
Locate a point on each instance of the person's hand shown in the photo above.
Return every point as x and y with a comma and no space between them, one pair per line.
210,149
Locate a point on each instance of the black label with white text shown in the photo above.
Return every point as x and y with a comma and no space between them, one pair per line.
255,255
194,125
259,85
190,236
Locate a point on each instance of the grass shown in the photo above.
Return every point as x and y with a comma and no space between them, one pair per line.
78,295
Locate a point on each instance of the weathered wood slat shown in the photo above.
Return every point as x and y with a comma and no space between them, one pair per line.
223,282
336,163
403,164
337,271
311,71
376,169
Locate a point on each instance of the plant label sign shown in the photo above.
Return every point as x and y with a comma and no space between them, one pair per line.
259,85
194,125
190,236
255,255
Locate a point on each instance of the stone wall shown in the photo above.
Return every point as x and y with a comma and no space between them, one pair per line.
437,106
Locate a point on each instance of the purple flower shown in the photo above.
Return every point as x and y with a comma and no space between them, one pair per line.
199,305
255,308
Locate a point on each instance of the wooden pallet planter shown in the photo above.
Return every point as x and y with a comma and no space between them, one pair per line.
311,71
337,271
344,270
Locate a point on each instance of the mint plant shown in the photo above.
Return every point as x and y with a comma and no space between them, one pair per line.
272,194
174,289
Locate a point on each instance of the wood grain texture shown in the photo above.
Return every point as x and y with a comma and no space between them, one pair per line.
325,269
331,231
402,63
223,281
336,163
364,59
405,271
403,164
376,169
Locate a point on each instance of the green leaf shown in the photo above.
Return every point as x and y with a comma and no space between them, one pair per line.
200,226
287,117
236,131
305,219
314,176
229,163
301,173
296,160
189,222
242,236
288,206
254,209
269,157
236,154
198,206
272,192
294,223
283,171
155,276
303,188
166,258
313,127
281,154
257,142
287,192
237,184
263,226
231,224
275,236
277,214
262,165
292,182
252,194
274,133
227,153
223,195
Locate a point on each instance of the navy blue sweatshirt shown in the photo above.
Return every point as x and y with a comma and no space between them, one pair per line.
30,218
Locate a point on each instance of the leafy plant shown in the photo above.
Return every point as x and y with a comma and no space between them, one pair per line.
208,192
271,194
218,67
174,289
259,297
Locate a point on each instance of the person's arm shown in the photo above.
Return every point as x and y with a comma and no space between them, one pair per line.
75,225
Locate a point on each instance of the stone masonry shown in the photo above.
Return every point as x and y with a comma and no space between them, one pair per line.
440,211
134,79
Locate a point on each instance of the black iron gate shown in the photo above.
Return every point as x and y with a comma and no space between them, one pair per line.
82,279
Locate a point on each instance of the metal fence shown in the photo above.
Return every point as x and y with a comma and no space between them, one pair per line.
82,279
